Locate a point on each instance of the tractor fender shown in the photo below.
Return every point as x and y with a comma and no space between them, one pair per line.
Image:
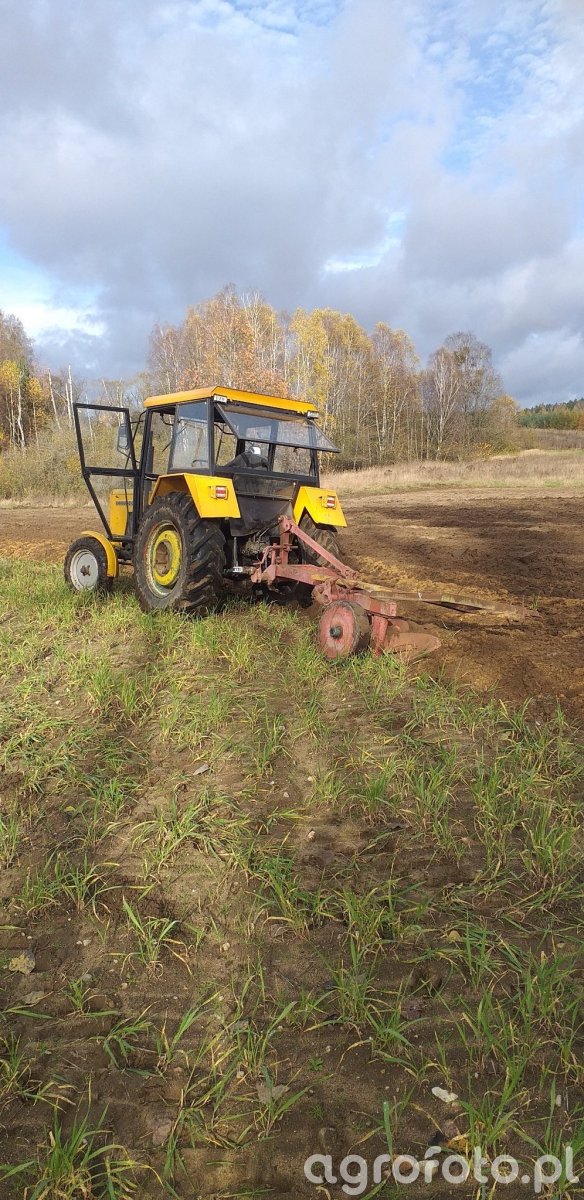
203,490
317,503
110,553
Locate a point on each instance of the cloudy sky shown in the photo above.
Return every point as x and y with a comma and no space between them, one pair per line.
419,162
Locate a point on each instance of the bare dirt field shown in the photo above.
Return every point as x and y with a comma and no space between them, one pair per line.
509,544
526,548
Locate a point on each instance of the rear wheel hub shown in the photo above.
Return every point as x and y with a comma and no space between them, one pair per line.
164,558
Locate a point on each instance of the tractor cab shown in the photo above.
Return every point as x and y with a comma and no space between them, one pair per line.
227,464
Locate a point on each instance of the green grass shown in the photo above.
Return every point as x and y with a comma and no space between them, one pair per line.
266,896
80,1163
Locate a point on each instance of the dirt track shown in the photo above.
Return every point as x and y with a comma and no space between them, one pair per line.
519,546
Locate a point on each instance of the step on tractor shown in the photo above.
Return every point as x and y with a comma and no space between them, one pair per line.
218,491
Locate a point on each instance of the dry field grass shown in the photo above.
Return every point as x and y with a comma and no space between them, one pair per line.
535,469
48,474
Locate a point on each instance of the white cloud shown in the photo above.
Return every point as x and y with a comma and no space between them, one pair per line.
42,319
161,148
28,294
546,366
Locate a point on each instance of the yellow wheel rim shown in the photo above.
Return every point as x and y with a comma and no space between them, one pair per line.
165,555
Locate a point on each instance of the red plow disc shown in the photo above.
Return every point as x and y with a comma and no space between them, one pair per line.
343,629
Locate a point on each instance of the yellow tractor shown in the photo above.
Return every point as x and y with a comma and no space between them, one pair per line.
220,490
205,476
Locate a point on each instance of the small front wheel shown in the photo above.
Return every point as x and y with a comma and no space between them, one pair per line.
86,567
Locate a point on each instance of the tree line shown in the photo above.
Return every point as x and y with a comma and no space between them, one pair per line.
30,398
554,416
377,401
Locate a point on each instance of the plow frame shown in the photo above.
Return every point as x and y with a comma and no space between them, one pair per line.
342,594
330,584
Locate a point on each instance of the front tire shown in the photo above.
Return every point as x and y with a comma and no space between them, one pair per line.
85,567
179,558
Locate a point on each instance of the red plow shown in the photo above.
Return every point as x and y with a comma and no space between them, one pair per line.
358,615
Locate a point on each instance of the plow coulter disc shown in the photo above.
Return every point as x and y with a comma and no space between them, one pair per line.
343,629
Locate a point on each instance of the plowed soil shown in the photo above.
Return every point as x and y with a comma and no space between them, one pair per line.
520,547
525,549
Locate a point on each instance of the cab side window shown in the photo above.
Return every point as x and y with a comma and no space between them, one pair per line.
190,443
161,431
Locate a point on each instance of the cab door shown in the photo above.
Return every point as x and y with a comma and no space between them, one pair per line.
107,454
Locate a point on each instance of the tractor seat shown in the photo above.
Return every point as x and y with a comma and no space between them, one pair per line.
249,460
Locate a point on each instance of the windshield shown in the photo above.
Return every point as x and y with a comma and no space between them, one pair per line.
281,429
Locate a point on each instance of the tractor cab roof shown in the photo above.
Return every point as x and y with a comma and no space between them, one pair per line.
299,407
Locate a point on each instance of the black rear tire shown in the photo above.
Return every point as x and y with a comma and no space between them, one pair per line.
324,535
179,558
